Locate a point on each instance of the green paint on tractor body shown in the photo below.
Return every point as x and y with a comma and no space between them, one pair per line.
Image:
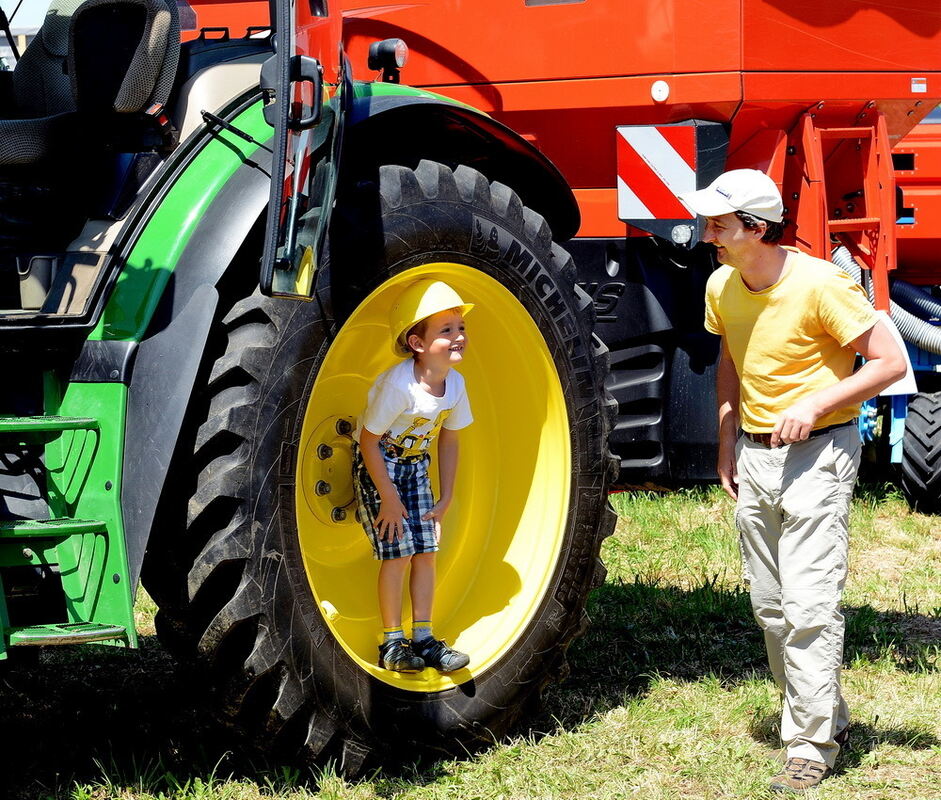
80,549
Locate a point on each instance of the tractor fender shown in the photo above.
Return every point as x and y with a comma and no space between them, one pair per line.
404,128
168,358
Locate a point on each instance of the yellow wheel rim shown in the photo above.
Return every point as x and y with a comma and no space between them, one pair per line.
503,533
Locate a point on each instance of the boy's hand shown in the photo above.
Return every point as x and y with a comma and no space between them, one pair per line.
438,510
389,519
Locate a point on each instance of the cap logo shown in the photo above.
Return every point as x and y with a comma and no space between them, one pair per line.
725,194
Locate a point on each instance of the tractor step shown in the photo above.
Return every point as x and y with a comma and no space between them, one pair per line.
48,528
65,579
830,153
46,424
854,223
846,133
65,633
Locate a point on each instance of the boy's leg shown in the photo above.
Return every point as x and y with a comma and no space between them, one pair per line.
421,585
416,494
435,652
395,653
391,582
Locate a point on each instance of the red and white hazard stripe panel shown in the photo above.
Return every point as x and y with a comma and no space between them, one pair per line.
655,164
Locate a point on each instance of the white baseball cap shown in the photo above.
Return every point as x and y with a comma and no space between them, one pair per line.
748,190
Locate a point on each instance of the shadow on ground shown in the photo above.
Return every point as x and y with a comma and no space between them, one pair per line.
864,737
643,629
101,714
138,720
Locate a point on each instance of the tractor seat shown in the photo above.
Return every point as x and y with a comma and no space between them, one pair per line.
81,96
137,69
38,89
89,61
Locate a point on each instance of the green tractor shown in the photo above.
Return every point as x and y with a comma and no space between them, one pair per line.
200,240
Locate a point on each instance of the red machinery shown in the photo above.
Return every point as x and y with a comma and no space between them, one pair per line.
917,161
638,102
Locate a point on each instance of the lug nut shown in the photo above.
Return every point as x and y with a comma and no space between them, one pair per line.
322,488
324,452
344,427
338,515
27,553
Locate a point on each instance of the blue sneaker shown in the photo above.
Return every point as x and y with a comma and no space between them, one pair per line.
398,656
436,653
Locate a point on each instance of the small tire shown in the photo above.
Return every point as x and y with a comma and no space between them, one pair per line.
251,596
921,453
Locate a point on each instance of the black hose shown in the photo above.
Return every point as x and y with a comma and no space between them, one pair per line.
914,330
916,300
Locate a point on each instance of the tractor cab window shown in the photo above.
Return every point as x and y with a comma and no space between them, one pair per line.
24,20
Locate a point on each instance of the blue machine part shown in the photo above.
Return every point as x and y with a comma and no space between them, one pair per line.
868,414
894,422
898,413
922,360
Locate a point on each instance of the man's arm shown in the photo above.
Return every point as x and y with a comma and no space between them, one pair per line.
727,394
884,365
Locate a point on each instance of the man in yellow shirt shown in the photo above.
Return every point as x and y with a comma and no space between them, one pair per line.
791,326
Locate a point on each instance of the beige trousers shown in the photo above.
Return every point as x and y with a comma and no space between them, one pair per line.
792,515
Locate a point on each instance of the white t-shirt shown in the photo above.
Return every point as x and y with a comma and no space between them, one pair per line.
401,412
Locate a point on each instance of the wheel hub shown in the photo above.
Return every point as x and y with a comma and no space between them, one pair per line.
327,471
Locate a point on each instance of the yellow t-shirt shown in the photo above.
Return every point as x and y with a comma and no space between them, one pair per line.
789,340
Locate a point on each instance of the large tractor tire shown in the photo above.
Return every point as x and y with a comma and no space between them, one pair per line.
921,453
275,580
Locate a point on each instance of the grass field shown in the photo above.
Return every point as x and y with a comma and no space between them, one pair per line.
668,696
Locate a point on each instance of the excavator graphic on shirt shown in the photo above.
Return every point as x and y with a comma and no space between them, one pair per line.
416,439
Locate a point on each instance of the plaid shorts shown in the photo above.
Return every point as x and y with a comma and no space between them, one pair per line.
410,478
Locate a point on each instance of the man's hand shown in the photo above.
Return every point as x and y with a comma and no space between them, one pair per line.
885,364
796,423
438,510
389,519
727,469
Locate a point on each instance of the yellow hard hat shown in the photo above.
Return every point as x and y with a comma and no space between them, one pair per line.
419,300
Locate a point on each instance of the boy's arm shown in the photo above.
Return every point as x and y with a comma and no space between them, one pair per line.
391,509
447,470
448,450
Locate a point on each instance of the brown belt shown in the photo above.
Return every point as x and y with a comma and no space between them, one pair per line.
765,438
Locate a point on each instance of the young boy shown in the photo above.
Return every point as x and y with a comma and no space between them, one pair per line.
408,406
